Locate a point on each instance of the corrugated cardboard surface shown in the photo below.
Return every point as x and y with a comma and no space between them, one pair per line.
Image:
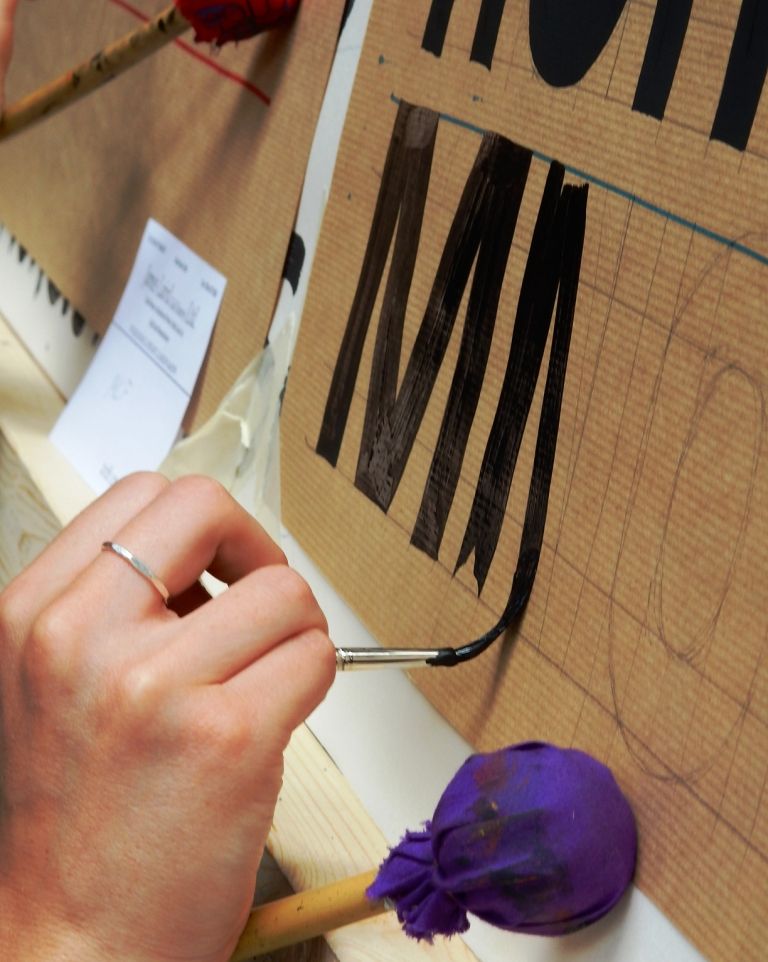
211,144
644,640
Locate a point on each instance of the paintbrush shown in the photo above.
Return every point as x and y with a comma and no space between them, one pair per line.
212,22
531,838
348,659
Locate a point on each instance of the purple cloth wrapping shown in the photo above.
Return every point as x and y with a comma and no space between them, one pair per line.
531,838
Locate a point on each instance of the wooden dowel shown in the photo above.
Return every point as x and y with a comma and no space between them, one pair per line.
103,66
306,915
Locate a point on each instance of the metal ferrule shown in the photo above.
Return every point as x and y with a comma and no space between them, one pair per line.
356,659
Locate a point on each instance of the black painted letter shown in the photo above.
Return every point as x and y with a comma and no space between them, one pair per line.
670,23
403,193
437,26
487,32
744,77
567,36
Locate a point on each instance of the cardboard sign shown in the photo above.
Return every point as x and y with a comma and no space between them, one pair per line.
529,393
213,144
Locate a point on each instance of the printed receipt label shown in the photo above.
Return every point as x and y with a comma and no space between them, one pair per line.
127,411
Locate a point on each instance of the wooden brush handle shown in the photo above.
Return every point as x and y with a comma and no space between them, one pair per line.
305,915
92,73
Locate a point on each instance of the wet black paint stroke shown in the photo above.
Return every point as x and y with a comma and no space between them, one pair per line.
504,168
567,36
533,320
665,44
487,32
394,417
436,26
744,76
381,457
410,152
573,207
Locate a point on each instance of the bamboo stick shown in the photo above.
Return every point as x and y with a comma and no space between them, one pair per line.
113,60
306,915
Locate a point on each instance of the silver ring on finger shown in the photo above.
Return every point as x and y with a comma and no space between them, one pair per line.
138,565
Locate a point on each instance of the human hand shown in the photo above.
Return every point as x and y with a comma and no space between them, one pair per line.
7,13
141,746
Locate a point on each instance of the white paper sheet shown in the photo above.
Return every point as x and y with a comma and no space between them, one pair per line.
127,411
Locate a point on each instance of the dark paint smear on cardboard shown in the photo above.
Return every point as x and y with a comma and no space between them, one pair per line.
294,260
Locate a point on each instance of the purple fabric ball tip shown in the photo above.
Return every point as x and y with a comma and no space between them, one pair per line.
531,838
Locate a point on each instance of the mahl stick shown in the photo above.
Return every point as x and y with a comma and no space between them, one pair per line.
113,60
531,838
300,917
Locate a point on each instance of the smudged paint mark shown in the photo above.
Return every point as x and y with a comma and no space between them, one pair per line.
294,260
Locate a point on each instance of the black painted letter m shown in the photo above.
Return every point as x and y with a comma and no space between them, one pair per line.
481,235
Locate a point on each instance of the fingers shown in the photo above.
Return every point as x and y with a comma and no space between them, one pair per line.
79,543
265,636
178,529
193,525
225,635
287,683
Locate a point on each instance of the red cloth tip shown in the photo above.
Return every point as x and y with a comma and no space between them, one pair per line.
226,20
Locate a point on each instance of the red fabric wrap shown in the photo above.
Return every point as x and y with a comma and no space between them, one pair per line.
221,21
